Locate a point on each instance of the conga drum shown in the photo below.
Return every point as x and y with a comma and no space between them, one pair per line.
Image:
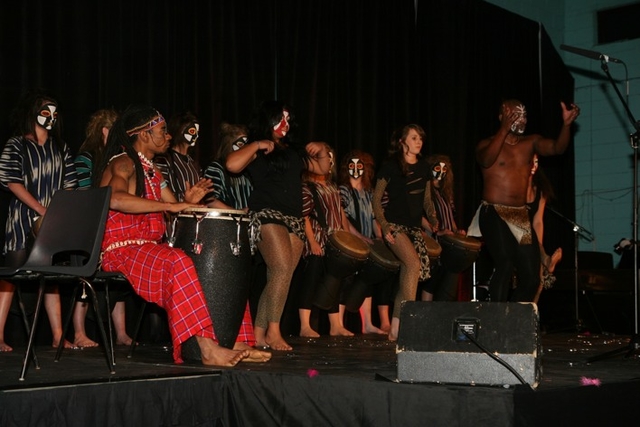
345,254
458,252
379,266
217,241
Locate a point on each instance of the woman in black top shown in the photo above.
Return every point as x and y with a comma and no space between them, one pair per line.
404,177
275,165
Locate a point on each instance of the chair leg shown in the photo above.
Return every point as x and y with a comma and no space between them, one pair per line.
137,329
110,362
110,322
67,321
32,333
27,327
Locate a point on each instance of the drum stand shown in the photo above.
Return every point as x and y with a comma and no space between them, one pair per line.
578,231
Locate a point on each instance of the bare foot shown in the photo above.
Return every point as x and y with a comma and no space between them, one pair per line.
216,355
83,341
555,259
371,329
4,347
255,355
308,332
393,338
278,343
67,344
124,340
340,331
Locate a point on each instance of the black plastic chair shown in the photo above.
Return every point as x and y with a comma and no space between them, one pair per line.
67,247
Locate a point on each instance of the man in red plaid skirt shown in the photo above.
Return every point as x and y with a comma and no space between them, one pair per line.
132,244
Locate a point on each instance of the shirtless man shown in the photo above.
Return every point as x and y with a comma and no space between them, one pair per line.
506,159
132,242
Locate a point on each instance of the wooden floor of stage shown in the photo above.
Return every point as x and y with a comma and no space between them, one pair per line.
365,357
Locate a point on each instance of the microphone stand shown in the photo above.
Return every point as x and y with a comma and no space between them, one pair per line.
578,231
634,341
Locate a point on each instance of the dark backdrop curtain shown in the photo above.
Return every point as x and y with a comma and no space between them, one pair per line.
354,70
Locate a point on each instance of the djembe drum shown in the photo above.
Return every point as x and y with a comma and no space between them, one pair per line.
458,252
379,266
218,243
345,254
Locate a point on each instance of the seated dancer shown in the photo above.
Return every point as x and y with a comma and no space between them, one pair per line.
443,284
90,154
132,242
404,177
323,215
230,191
356,176
538,194
178,168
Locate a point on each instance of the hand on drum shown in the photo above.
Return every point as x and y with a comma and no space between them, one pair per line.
180,206
194,193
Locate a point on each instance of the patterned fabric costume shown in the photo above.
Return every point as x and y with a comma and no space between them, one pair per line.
178,168
43,169
159,273
232,189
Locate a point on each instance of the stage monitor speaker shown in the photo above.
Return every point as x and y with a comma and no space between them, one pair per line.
432,348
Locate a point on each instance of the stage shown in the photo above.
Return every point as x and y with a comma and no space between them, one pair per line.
322,382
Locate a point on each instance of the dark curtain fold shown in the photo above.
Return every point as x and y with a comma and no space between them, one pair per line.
348,69
353,69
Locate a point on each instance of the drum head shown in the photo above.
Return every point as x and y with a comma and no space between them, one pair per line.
382,255
350,244
212,213
461,241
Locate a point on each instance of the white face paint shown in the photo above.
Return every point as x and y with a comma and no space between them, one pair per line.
239,143
191,133
439,171
356,168
521,122
47,116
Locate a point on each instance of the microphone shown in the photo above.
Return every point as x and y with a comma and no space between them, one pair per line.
590,54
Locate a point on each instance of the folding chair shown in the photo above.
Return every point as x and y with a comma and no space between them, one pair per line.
67,247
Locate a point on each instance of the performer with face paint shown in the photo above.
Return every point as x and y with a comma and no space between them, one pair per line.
502,219
404,177
89,156
35,163
179,169
443,285
323,216
357,174
274,162
133,243
230,191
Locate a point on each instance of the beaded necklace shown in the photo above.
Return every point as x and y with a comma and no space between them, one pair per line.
147,165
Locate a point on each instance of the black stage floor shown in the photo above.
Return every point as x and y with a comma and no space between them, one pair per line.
326,381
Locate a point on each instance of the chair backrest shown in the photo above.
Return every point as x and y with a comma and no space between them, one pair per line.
72,227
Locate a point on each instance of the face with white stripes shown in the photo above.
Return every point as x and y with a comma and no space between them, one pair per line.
47,115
